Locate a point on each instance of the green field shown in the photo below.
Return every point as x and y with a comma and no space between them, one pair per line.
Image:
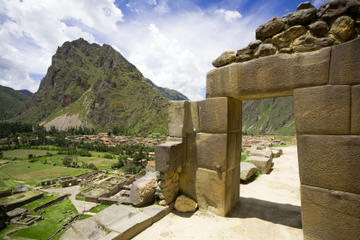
19,197
54,217
24,153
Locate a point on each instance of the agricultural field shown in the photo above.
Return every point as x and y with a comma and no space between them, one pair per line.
54,217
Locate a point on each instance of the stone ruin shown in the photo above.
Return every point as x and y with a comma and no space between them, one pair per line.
201,158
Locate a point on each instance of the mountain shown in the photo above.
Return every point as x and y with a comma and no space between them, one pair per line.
94,86
12,102
25,92
269,116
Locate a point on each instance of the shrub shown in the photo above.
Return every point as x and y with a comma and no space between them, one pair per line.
108,156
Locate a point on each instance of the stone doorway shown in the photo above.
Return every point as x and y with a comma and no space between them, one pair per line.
201,158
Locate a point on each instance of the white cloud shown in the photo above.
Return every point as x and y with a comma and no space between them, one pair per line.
173,50
228,14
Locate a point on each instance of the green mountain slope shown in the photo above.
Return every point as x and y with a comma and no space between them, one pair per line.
95,86
12,102
269,116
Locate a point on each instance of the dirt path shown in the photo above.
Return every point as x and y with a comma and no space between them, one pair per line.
269,208
81,206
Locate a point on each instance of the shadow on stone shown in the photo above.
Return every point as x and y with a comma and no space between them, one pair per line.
181,214
279,213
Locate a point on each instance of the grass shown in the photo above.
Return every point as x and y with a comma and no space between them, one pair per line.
85,216
47,198
24,153
54,217
33,173
98,208
18,197
244,156
79,198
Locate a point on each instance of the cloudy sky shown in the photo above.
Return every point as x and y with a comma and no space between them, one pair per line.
172,42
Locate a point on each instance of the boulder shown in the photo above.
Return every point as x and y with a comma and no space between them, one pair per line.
335,8
283,39
319,28
265,49
307,43
254,44
142,190
185,204
244,54
285,50
304,5
269,29
243,58
224,59
301,16
343,29
263,163
247,170
262,153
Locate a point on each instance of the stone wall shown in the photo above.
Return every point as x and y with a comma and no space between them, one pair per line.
306,29
326,87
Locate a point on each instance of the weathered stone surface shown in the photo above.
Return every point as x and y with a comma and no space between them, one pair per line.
194,111
265,49
335,8
185,204
178,118
334,160
305,5
262,153
254,44
247,170
224,59
319,28
322,110
343,29
247,50
328,214
142,190
355,110
307,43
243,58
302,16
188,174
285,50
269,29
220,115
345,62
86,229
169,186
212,151
210,190
263,163
270,76
283,39
232,188
169,156
277,152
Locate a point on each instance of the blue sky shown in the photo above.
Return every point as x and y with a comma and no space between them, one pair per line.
171,42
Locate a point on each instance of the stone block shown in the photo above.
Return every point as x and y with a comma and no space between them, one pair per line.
219,152
194,112
330,161
143,189
271,76
329,214
322,110
178,119
220,115
355,110
247,170
188,173
169,156
262,153
263,163
232,188
210,190
345,62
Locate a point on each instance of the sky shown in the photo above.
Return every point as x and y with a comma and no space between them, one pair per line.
172,42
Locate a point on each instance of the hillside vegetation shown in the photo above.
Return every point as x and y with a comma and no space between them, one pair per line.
12,102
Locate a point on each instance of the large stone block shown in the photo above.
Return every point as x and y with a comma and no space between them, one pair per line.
179,116
263,163
345,63
210,190
322,110
232,188
355,109
328,214
169,156
331,162
219,152
270,76
220,115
